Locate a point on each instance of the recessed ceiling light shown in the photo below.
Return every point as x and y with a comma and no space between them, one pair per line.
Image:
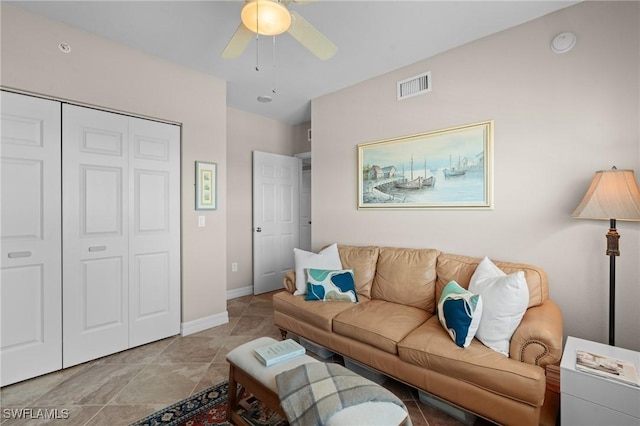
264,98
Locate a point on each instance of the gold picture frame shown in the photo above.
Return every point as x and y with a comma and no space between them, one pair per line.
443,169
206,185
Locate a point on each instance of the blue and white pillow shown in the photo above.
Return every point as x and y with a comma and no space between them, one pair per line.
330,285
459,312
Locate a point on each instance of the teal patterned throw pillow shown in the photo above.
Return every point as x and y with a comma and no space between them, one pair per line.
459,312
329,285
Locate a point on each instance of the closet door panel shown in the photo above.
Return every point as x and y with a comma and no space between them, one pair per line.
30,278
96,234
154,258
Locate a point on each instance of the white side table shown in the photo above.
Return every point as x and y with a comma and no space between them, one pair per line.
587,399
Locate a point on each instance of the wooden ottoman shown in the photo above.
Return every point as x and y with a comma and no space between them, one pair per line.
260,381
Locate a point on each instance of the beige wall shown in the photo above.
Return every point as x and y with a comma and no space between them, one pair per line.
558,119
106,74
301,143
246,133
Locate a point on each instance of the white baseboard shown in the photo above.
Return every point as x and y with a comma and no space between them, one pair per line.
195,326
239,292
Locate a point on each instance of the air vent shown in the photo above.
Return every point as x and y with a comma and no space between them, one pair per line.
413,86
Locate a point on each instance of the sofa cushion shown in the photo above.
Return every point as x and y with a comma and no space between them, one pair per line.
453,267
505,300
328,285
328,258
406,277
379,323
459,311
430,346
317,314
363,262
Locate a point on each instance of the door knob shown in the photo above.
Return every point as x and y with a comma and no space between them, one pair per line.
258,229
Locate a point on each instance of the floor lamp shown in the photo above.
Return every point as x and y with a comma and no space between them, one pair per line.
613,195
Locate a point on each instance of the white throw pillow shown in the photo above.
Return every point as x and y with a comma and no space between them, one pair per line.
505,299
326,259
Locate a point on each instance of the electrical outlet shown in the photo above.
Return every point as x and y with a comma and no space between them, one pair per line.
234,267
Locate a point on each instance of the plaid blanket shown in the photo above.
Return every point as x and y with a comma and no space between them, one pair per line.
311,393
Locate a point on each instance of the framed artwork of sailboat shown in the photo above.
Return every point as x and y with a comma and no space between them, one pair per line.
442,169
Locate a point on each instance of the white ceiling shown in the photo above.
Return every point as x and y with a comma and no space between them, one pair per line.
373,37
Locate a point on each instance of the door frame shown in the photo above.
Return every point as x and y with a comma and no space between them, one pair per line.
304,156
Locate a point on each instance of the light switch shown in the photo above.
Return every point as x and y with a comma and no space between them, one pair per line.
200,221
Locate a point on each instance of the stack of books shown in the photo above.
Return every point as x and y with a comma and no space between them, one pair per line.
274,353
604,366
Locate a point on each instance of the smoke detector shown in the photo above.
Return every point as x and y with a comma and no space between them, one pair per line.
563,42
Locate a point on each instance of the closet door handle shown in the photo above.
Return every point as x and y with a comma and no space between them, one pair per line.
16,254
97,248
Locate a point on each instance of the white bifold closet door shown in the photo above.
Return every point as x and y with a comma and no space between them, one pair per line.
30,280
121,258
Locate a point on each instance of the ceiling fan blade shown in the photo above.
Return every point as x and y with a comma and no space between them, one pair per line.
239,41
286,3
308,36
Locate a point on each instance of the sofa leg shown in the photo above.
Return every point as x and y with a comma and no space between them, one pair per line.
283,334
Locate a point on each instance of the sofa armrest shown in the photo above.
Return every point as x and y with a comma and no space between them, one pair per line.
538,338
289,281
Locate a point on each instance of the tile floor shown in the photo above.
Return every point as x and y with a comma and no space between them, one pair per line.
127,386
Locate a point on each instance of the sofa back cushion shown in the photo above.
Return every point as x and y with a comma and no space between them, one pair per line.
454,267
406,277
362,260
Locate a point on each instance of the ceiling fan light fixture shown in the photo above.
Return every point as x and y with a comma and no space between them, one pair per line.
266,17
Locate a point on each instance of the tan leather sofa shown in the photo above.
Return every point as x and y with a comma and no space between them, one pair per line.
393,329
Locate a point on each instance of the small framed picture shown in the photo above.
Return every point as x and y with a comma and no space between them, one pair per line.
206,181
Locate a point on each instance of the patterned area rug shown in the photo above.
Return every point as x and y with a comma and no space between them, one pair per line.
209,407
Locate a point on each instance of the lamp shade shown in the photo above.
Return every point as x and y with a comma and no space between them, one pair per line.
613,194
266,17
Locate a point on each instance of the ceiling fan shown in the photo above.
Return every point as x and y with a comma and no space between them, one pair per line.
272,17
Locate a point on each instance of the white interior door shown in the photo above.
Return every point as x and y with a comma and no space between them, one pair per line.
95,234
276,180
154,246
30,282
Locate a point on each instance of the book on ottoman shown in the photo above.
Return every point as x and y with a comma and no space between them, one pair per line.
274,353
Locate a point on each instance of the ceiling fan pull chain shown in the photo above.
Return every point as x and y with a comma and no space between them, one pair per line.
273,85
257,36
257,52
